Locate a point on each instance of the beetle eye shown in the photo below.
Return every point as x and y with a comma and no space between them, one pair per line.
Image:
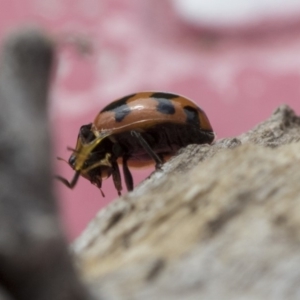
86,134
72,160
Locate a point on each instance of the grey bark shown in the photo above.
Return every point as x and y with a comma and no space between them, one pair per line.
218,222
34,257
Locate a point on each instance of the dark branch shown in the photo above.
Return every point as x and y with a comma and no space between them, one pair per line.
34,259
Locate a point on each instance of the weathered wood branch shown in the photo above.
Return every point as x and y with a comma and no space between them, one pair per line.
34,260
218,222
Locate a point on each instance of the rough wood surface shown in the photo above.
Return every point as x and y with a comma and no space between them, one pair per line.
218,222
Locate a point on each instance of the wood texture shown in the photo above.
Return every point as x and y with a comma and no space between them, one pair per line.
218,222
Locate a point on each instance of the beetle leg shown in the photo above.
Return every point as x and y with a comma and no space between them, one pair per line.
98,183
116,177
117,150
127,174
66,182
148,149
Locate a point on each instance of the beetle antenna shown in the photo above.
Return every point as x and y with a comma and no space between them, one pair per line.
72,149
62,159
103,195
70,184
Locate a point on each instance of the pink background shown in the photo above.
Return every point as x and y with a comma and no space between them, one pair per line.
238,70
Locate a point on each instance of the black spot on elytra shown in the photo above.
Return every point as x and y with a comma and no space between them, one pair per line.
192,116
164,95
117,103
121,112
165,106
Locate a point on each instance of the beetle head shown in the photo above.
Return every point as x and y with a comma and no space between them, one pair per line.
90,158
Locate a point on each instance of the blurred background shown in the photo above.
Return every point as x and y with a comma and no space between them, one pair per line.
238,59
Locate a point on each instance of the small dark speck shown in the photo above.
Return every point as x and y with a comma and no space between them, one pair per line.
155,269
114,219
280,220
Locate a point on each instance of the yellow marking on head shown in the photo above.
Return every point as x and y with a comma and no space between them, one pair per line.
103,162
84,150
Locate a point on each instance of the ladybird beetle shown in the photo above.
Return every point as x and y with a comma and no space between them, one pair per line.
136,131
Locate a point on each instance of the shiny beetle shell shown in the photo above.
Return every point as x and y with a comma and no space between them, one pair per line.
136,130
